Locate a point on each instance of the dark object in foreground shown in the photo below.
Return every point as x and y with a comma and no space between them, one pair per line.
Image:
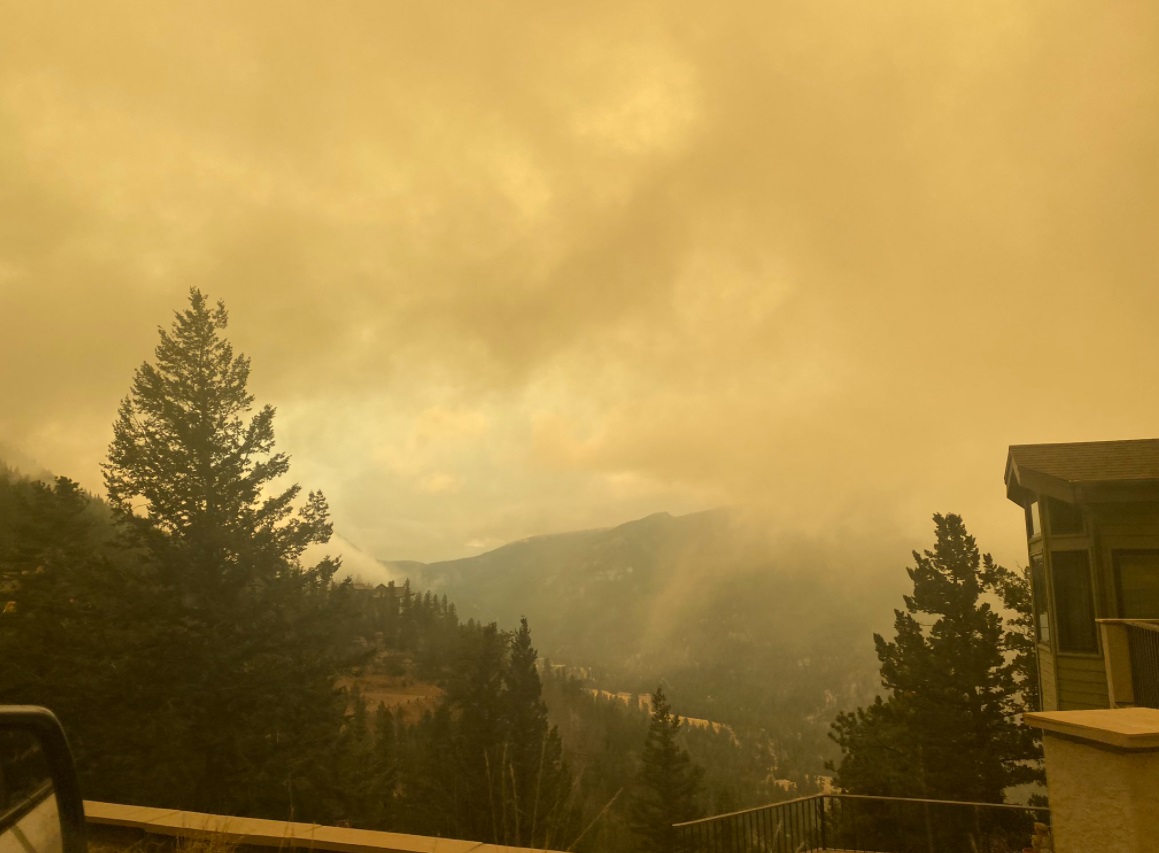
40,804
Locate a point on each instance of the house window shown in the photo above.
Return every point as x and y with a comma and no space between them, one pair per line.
1074,602
1040,602
1063,517
1137,577
1033,520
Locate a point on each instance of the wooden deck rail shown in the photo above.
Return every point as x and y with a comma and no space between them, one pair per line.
257,832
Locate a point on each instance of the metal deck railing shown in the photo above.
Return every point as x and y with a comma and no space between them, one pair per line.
849,822
1143,642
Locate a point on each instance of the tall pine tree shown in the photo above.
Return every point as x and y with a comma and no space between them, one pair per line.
243,646
947,726
486,765
668,783
536,779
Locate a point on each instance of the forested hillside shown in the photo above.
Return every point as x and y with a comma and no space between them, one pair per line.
763,632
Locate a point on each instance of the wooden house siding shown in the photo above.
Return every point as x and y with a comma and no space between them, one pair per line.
1082,683
1047,679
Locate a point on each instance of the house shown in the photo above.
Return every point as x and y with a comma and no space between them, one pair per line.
1092,530
375,590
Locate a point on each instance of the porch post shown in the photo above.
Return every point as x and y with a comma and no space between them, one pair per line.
1117,657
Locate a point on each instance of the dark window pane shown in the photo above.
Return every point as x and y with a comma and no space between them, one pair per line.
1041,602
1073,601
1064,517
1137,574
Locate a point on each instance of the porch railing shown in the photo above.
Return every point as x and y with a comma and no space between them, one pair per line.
1131,653
848,822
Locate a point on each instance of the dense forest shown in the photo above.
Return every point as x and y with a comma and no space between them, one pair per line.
82,634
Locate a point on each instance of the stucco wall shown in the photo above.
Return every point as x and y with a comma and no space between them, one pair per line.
1102,798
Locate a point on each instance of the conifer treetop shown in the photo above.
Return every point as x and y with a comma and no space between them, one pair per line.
189,455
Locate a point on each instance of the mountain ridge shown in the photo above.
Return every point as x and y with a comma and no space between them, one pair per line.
747,622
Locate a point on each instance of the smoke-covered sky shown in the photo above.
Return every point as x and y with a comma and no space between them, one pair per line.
507,268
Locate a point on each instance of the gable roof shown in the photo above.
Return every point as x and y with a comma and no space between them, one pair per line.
1085,471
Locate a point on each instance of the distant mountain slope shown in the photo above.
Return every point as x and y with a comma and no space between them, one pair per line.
18,462
587,593
741,620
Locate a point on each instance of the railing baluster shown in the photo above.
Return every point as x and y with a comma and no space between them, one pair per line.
767,832
1144,649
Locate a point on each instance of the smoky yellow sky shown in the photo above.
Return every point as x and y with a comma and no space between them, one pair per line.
507,268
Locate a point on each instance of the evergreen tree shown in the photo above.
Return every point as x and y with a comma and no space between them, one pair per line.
186,448
245,640
354,798
1022,653
947,727
385,769
62,629
667,785
1014,588
433,791
537,783
486,765
479,736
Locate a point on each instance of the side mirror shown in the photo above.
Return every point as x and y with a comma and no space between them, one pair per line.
41,810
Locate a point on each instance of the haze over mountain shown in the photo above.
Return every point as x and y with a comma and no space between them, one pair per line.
14,459
730,611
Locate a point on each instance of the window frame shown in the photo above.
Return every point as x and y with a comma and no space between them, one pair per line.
1040,602
1061,637
1033,520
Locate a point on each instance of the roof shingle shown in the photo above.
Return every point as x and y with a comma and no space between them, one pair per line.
1090,461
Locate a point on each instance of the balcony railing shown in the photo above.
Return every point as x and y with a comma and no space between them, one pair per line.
1131,652
846,822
